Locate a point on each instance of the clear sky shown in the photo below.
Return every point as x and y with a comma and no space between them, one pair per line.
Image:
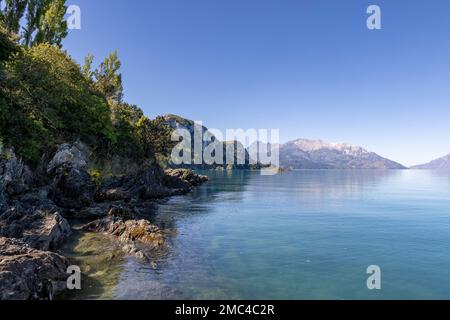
310,68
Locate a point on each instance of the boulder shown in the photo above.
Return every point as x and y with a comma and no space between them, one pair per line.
74,155
30,274
72,186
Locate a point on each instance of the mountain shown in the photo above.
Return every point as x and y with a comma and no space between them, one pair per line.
297,154
317,154
240,160
438,164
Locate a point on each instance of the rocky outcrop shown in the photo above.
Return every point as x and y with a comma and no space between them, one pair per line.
72,186
183,178
42,228
34,207
148,183
30,274
138,237
15,177
239,157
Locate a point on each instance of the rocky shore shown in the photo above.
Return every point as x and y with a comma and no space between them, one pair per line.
37,208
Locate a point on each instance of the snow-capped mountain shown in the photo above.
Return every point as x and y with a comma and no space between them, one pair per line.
317,154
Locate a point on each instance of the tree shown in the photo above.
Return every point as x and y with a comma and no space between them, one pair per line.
36,21
109,80
155,136
52,102
12,13
7,44
52,27
87,67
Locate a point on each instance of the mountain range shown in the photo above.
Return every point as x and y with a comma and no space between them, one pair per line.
317,154
438,164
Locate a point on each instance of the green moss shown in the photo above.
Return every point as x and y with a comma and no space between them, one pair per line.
96,177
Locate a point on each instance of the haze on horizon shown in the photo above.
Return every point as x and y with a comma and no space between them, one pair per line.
309,68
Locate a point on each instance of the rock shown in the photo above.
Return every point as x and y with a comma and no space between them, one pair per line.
145,184
15,177
3,202
112,194
185,175
30,274
42,228
138,237
93,212
72,186
74,155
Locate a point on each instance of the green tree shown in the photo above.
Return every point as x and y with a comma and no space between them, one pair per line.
52,26
87,67
36,21
108,79
155,136
12,13
49,101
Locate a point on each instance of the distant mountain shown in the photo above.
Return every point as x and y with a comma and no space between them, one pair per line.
241,160
316,154
298,154
438,164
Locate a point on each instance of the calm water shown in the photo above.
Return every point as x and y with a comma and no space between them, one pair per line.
300,235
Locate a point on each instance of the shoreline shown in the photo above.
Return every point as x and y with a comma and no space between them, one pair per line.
38,210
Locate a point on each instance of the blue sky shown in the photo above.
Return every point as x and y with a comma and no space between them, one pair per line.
310,68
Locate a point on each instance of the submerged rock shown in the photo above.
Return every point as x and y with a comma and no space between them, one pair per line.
30,274
139,237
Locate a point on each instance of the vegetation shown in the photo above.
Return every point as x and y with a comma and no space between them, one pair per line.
46,98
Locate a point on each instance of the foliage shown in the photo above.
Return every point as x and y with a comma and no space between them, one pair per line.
49,100
155,136
108,80
12,13
7,44
36,21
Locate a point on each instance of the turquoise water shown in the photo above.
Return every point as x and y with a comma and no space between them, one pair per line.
302,235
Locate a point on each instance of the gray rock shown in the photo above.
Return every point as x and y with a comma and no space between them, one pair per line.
15,177
30,274
42,228
73,155
183,178
72,186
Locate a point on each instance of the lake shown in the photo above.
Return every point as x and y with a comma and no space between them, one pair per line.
295,235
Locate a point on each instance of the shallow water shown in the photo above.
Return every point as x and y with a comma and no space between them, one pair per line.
297,235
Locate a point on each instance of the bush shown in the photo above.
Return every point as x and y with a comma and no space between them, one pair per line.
47,100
